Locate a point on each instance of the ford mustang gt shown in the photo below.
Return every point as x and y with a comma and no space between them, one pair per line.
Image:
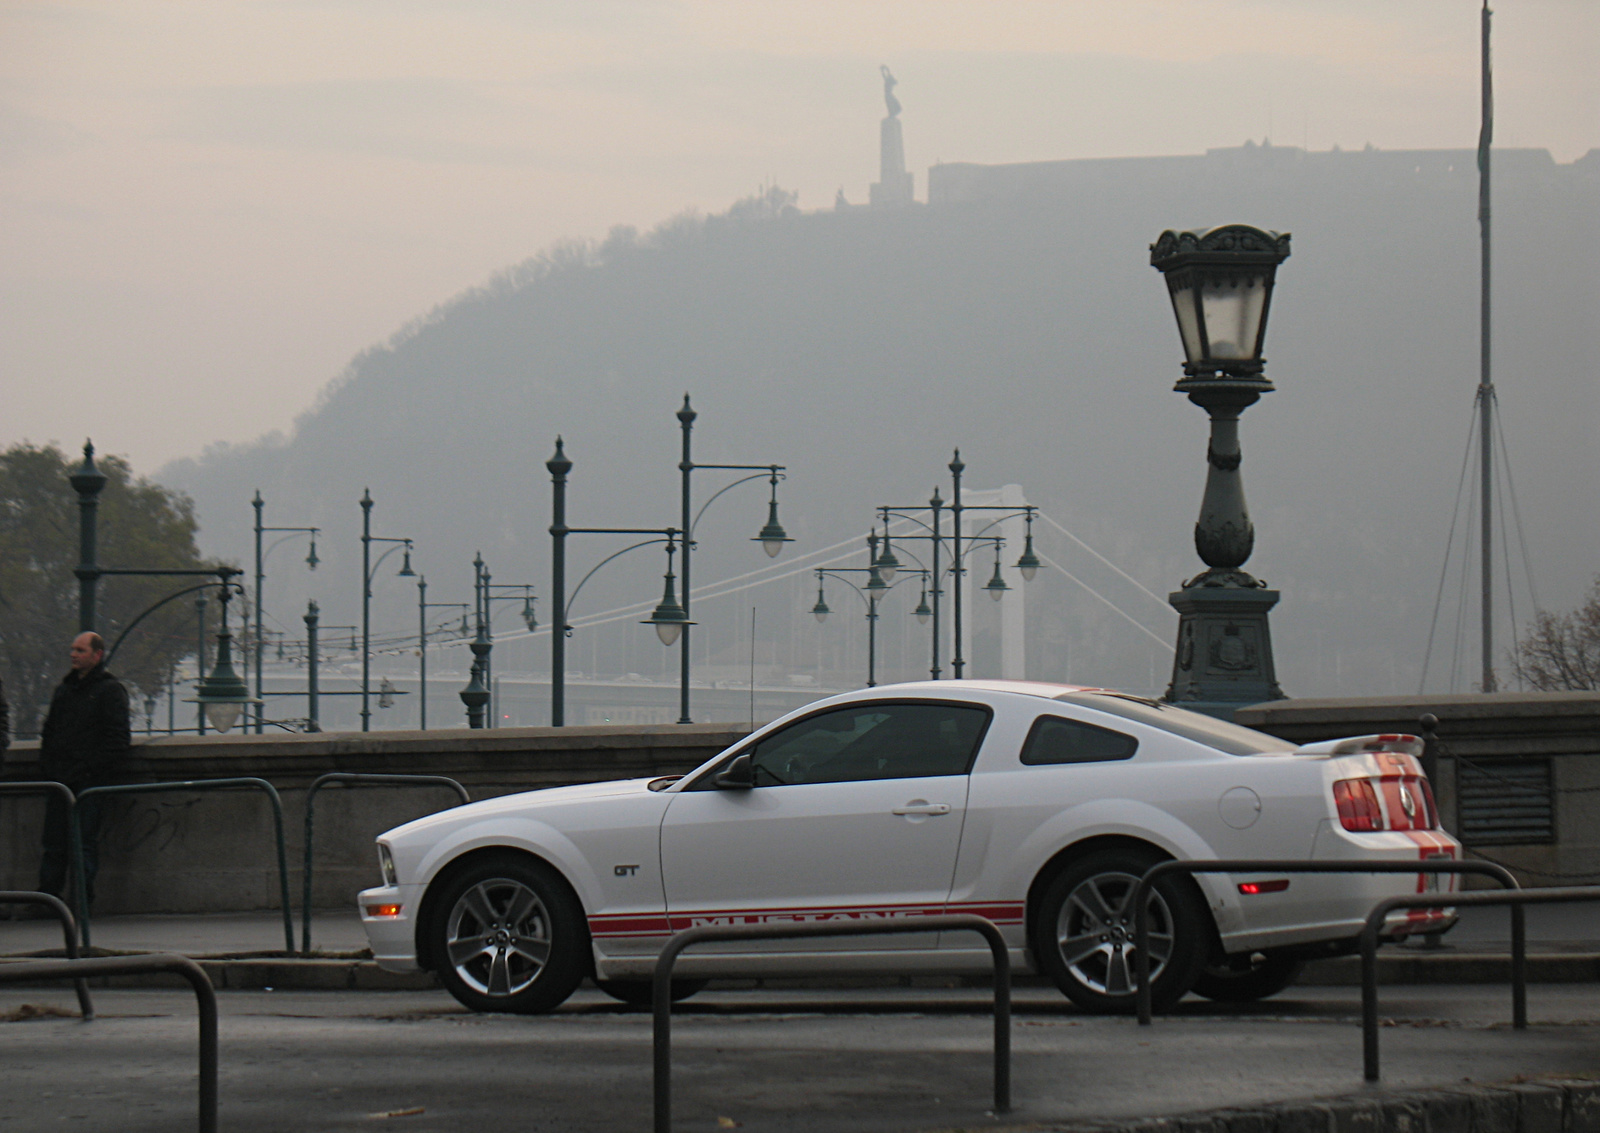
1037,806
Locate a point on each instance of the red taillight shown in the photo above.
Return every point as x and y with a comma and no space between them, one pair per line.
1251,888
1358,805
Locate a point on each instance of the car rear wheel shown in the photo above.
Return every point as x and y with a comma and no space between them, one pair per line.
1247,977
639,993
1084,934
509,936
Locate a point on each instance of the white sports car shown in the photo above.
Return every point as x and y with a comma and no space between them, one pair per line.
1037,806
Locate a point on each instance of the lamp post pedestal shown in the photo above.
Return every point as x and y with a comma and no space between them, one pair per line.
1224,655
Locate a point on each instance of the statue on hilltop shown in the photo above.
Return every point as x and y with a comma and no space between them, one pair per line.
889,82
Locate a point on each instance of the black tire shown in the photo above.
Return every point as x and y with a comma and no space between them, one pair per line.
639,992
1083,933
508,935
1247,977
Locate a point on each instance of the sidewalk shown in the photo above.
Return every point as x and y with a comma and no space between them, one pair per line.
245,950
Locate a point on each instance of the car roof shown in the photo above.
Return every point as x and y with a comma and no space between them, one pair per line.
1047,689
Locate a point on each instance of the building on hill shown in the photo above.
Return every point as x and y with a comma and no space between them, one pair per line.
966,182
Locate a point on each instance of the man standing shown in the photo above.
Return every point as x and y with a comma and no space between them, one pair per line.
84,740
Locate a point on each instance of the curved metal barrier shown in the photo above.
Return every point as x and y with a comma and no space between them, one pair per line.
205,999
1141,894
661,989
354,779
188,785
50,787
69,931
1517,899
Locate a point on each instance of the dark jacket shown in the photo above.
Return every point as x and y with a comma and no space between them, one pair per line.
86,733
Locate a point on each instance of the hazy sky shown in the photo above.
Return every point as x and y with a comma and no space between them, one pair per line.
208,206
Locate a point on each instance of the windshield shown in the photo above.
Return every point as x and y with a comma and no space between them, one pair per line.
1234,739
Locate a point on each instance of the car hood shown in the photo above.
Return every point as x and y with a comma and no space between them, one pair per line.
521,802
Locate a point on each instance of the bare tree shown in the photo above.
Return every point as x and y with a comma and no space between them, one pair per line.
1563,650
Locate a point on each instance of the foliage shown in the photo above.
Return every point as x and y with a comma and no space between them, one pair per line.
141,525
1563,651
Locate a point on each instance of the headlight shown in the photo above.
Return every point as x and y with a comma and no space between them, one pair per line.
386,863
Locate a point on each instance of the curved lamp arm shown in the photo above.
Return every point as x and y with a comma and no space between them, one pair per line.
597,566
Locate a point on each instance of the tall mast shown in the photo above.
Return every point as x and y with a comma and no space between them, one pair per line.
1485,381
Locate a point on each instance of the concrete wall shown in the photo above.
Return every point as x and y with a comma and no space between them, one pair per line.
190,851
1563,727
193,851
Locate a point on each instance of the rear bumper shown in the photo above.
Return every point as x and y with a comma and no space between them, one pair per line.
1333,907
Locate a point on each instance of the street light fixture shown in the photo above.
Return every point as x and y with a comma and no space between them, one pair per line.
772,536
223,694
423,606
1028,563
1220,282
996,585
671,617
311,564
484,596
368,569
872,594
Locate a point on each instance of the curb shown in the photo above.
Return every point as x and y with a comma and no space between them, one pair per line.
1553,1105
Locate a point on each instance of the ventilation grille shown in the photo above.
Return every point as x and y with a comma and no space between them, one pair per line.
1506,802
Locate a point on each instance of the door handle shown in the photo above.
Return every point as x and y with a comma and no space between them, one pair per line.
922,808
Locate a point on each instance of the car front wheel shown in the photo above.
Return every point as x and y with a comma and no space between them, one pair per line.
1085,933
508,936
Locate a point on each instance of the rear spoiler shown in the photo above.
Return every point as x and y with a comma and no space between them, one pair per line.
1356,745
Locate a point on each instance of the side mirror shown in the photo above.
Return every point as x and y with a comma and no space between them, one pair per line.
737,776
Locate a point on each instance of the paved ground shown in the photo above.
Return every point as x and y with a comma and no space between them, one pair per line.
824,1062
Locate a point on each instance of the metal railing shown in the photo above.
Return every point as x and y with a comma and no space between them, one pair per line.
69,931
51,787
205,998
1141,894
1517,899
661,990
354,779
188,785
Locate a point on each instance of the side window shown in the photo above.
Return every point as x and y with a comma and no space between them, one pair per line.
1054,740
872,741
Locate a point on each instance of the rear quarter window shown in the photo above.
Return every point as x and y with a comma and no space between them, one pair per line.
1054,740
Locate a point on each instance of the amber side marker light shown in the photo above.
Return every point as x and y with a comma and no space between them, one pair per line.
1250,888
383,910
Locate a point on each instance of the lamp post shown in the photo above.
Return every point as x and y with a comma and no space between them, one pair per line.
368,567
772,536
1028,563
311,562
669,617
88,482
1220,282
872,594
423,606
483,596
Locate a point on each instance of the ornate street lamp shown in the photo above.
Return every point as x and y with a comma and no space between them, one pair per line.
368,570
1220,281
223,694
669,617
772,536
996,585
1028,562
